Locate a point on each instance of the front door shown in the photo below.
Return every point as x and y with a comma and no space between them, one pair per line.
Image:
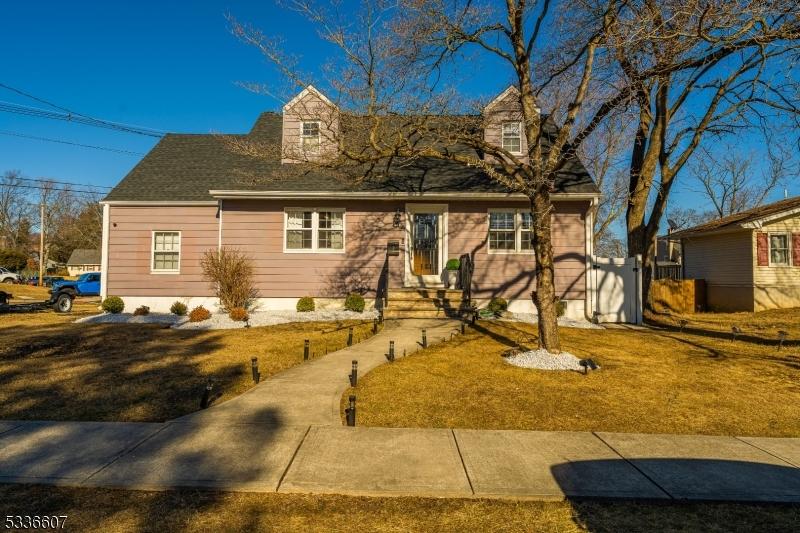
425,249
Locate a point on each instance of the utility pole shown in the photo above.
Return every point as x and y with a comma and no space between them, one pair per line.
41,243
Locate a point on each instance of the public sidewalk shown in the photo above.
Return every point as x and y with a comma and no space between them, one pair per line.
285,435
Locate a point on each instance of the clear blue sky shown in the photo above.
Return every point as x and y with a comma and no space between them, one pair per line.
166,65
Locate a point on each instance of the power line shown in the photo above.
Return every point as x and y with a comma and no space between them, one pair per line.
42,188
24,136
47,181
19,109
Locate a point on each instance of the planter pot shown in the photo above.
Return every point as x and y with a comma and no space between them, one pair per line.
451,278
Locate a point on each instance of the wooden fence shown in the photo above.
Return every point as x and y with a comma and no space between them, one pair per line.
678,296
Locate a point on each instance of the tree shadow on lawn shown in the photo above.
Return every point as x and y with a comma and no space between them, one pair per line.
137,372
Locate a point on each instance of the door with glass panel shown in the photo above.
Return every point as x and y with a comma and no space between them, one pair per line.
425,249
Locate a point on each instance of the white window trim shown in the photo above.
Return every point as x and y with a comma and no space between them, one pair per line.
153,251
789,252
315,230
304,136
517,232
502,135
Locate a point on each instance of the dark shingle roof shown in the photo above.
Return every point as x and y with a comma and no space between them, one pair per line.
183,167
737,219
82,256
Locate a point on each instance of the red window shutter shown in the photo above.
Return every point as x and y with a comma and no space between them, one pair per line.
762,249
796,249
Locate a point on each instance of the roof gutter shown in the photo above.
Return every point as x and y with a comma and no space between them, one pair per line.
388,195
174,203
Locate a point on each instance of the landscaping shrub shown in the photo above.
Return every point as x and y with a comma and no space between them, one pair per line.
497,305
354,302
305,304
113,304
199,314
142,310
178,308
561,307
230,272
453,264
238,314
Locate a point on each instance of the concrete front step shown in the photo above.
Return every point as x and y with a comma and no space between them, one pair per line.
423,304
425,294
394,313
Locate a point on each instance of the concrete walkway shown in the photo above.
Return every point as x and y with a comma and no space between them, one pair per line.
286,435
310,394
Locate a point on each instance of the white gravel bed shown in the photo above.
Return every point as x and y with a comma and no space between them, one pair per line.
544,360
271,318
129,318
562,321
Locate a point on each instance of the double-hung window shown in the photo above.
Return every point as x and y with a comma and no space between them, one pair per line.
166,251
314,230
512,137
509,231
779,249
309,139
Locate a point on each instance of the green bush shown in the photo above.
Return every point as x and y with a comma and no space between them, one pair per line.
113,304
305,304
561,307
497,305
142,310
178,308
453,264
13,260
354,302
199,314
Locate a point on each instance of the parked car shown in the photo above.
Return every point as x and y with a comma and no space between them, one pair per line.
86,285
6,276
48,280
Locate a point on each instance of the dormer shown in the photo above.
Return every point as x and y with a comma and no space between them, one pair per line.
310,127
502,123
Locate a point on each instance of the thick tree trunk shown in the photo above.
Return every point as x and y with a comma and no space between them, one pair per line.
545,296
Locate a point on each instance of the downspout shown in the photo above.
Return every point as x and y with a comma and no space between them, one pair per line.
104,252
219,237
588,301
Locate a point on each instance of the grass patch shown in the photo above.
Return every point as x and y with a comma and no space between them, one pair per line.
191,510
54,369
757,327
658,381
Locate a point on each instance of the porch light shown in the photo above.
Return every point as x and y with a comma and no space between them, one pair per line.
397,219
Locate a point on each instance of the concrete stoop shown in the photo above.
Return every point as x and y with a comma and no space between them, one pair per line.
425,303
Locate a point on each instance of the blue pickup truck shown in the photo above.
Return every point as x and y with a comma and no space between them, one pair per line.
86,285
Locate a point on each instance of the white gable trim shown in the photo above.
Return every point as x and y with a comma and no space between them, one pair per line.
501,96
758,223
308,90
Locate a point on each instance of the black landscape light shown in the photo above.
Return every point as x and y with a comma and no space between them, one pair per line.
256,373
350,337
390,355
424,338
463,327
354,374
587,364
781,337
306,348
374,326
350,412
206,399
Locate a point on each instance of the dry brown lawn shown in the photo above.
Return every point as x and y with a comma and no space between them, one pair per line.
54,369
759,327
657,381
129,511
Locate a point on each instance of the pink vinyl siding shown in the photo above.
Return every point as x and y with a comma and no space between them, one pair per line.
257,227
512,275
130,249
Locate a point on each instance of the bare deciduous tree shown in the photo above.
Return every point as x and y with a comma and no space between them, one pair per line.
705,68
398,101
16,212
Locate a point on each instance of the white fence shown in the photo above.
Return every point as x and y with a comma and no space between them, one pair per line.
617,289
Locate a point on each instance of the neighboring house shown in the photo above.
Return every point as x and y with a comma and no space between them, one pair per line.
83,260
313,234
750,261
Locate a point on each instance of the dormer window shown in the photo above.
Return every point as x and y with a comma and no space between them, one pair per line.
512,137
310,136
